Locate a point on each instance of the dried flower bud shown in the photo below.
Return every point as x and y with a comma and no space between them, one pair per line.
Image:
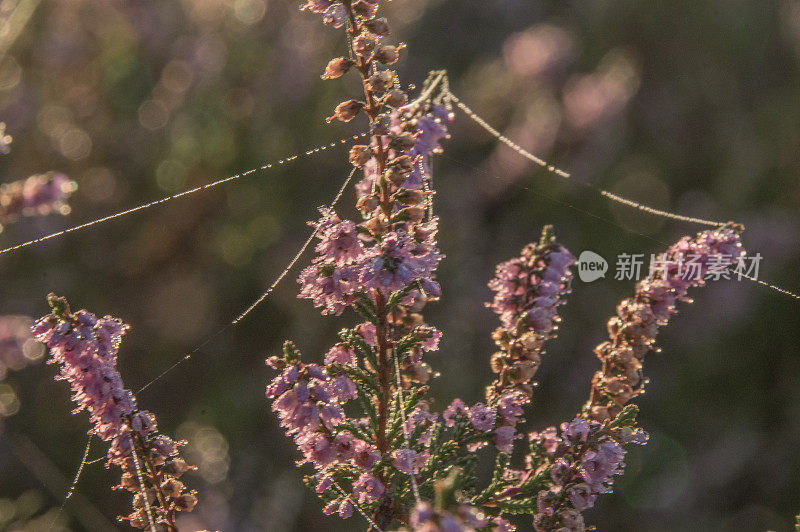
409,197
363,45
381,125
402,142
409,214
346,111
138,500
176,468
378,26
185,502
129,482
367,9
377,225
404,163
336,15
396,176
172,488
396,98
381,81
337,67
359,155
388,54
367,203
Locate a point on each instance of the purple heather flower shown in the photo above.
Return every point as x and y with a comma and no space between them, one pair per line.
368,489
501,525
341,354
341,388
576,430
456,408
345,509
597,467
339,243
504,438
85,348
581,496
560,471
365,455
328,287
548,439
408,461
510,406
482,417
397,262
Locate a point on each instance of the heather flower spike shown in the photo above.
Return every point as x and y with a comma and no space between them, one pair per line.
359,413
85,349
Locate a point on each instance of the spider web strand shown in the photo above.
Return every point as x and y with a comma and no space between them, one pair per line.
180,194
261,298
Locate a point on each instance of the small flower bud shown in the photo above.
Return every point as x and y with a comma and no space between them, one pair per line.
388,54
367,203
346,111
359,155
380,81
337,67
363,45
378,26
396,98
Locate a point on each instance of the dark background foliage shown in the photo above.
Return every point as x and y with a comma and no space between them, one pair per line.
688,106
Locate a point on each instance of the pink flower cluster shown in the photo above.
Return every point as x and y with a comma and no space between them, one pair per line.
584,457
39,194
528,291
350,262
85,347
633,330
497,421
345,268
309,404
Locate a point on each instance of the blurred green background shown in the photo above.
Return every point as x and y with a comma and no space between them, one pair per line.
690,106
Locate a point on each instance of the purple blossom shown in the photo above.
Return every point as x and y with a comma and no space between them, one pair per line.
368,489
581,496
397,262
504,438
408,461
456,408
328,287
339,243
510,407
340,354
482,417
